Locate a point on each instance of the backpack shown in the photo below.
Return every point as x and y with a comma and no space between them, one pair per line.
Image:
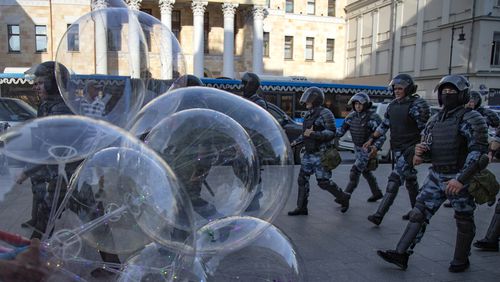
484,187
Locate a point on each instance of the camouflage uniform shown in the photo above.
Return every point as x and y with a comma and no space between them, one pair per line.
456,142
403,171
362,156
323,123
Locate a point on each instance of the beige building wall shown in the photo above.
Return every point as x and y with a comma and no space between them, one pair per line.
278,23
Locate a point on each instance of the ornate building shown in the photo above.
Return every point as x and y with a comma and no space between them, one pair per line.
219,38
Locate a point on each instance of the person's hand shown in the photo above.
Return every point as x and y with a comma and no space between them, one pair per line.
293,144
21,178
453,187
308,132
417,160
27,266
420,149
368,144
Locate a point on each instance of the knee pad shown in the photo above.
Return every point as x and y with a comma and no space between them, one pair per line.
394,177
324,183
303,179
417,214
465,222
354,169
464,216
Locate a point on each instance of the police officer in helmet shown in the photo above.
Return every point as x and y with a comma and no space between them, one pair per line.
406,117
455,139
318,135
251,89
362,122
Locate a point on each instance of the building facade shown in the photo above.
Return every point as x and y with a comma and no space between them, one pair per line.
218,38
426,39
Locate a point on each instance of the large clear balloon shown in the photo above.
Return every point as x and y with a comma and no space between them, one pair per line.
269,256
213,158
120,199
273,149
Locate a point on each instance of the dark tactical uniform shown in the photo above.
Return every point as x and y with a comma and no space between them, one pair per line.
406,118
322,121
456,141
251,89
362,125
490,116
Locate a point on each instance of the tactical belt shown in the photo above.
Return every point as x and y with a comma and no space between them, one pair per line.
446,168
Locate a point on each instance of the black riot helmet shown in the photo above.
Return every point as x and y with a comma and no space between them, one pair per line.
476,97
459,82
362,98
406,81
186,80
251,82
313,95
47,72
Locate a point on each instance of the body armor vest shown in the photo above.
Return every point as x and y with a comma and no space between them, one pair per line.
360,132
310,144
448,148
404,130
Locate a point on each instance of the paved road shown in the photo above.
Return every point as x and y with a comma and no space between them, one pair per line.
342,247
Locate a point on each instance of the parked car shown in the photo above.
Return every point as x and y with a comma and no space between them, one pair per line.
292,128
345,142
15,111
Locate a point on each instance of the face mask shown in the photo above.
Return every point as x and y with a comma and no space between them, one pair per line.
450,101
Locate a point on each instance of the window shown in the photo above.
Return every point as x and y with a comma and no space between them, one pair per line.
14,38
266,44
73,37
40,38
289,6
114,39
206,29
147,11
495,50
176,24
330,50
309,48
288,47
331,8
311,7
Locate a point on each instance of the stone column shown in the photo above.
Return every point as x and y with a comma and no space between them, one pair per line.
419,36
166,7
101,48
375,21
259,13
134,31
359,38
166,56
229,9
198,8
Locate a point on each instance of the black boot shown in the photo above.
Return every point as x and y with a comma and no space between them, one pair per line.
340,196
465,235
302,199
490,241
412,187
390,195
394,257
372,183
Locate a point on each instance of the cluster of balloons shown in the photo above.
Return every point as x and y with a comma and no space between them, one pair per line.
178,184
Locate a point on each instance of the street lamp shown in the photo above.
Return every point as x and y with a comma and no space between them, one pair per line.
461,37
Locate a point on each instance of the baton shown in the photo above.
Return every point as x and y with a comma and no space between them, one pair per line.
209,188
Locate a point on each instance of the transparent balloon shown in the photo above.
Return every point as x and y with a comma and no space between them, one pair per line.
115,4
136,58
273,149
269,256
213,159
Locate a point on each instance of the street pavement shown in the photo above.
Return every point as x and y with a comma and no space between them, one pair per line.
342,247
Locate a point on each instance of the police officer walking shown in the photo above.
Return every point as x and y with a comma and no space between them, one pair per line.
362,122
456,141
406,117
318,135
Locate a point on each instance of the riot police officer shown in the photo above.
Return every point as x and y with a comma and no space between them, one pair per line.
362,122
318,135
406,116
490,116
456,141
251,89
